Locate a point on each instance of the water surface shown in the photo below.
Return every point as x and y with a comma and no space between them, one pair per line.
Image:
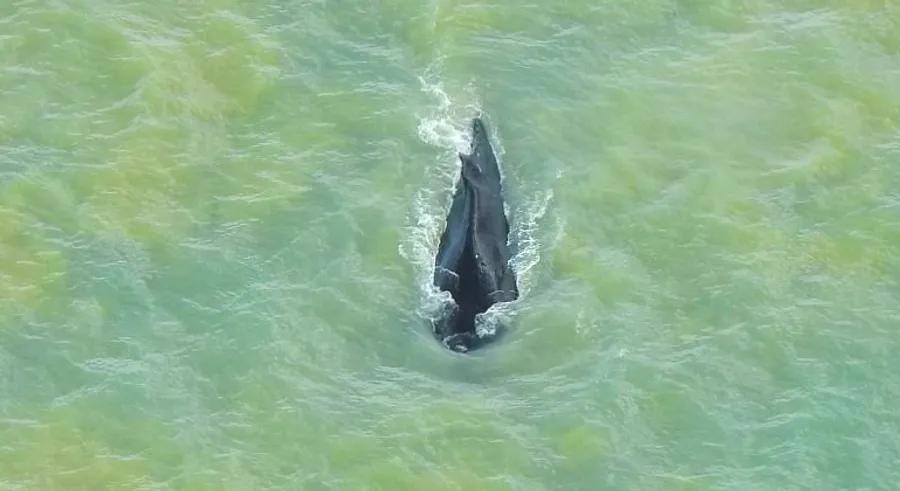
217,220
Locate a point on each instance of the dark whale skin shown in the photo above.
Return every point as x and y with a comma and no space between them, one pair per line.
472,262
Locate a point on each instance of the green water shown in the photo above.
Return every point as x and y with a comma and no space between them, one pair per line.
217,220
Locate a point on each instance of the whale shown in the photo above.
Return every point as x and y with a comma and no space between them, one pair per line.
472,262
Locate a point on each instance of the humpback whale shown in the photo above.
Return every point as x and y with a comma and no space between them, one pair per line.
472,262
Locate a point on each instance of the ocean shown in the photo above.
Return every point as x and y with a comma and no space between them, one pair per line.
218,221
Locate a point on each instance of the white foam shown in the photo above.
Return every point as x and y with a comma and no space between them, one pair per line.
444,129
524,236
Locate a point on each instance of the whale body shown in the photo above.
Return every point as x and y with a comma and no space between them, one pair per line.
472,262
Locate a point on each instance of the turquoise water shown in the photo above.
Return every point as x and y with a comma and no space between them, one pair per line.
217,220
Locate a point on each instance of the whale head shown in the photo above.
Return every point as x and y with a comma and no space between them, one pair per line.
480,140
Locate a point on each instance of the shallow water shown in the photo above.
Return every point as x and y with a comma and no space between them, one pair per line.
217,220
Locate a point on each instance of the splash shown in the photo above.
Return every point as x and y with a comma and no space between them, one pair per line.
446,126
